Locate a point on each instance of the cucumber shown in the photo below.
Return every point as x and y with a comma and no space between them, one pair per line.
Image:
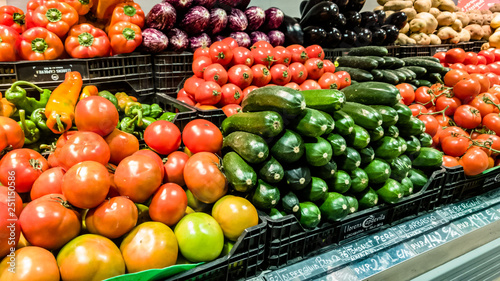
401,76
418,178
271,171
399,169
297,178
413,145
372,93
387,148
350,161
250,147
377,75
431,58
367,199
391,192
331,123
369,51
389,115
359,138
341,182
325,172
380,60
324,100
425,140
238,173
414,84
410,75
316,190
318,151
289,148
414,127
367,155
378,171
357,62
398,63
338,144
311,123
310,215
265,196
389,77
290,203
431,66
285,101
407,186
406,159
418,70
404,146
388,63
424,82
363,115
353,203
266,124
359,180
358,75
392,131
376,134
404,113
335,207
428,158
275,214
344,124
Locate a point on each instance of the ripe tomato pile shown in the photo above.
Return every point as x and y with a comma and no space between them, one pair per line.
224,73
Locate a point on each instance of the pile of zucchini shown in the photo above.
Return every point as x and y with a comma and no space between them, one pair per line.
371,63
322,154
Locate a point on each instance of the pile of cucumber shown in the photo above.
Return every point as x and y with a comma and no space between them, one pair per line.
321,155
371,63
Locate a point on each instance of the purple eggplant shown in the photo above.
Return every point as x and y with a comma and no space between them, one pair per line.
237,20
333,37
209,4
228,3
154,41
348,39
292,30
314,35
178,40
256,17
162,16
363,37
180,4
323,14
257,36
196,20
202,40
242,4
218,21
217,38
241,38
274,18
276,38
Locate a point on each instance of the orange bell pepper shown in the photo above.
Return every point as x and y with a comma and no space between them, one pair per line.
8,37
57,17
131,12
31,7
86,41
91,19
89,91
125,37
60,110
7,109
82,7
13,17
38,43
103,9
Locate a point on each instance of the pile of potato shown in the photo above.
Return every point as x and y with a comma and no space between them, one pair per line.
494,39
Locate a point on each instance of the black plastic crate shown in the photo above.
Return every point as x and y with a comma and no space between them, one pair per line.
288,242
458,186
184,114
414,51
476,47
135,69
439,48
168,84
332,54
170,69
393,50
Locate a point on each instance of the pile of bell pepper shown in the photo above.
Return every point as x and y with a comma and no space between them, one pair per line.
52,29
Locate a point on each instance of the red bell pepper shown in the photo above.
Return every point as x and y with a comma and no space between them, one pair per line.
38,43
103,9
57,17
8,39
31,7
82,7
124,37
13,17
131,12
86,41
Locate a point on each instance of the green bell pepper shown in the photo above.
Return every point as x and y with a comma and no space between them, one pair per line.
156,110
146,121
109,96
38,117
31,131
169,116
127,124
146,109
17,95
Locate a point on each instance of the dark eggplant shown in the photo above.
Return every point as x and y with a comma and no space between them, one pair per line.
180,4
314,35
274,18
378,36
398,19
292,30
237,20
217,38
242,4
340,22
178,40
302,6
392,33
348,39
154,41
257,36
228,3
380,16
241,38
363,37
355,5
162,16
209,4
276,38
218,21
333,38
196,20
368,19
256,17
308,6
341,3
322,14
353,19
202,40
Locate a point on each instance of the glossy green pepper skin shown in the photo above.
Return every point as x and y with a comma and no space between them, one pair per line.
31,132
109,96
156,110
38,117
17,95
128,124
146,121
168,116
146,109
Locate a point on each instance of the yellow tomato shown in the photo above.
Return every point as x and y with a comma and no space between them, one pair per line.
234,214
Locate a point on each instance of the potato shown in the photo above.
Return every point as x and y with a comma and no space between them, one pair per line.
430,22
457,25
464,35
435,40
435,12
382,2
487,32
405,40
421,38
495,8
474,12
485,46
435,3
486,12
495,22
487,18
405,29
446,18
447,33
410,13
397,5
422,5
476,31
464,18
417,25
447,5
475,19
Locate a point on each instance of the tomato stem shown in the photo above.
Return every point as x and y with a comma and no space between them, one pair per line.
487,100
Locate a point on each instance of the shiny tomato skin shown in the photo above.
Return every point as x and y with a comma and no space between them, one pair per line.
83,146
31,263
450,161
96,114
199,65
310,84
483,80
494,78
315,51
11,199
488,55
221,52
153,156
455,55
193,82
240,75
293,85
261,75
280,74
431,124
21,167
169,204
261,44
121,145
204,178
482,103
48,182
298,72
483,69
230,94
174,167
407,93
474,161
9,230
329,66
214,72
248,89
329,81
441,56
458,66
208,93
470,58
163,137
231,42
186,100
263,55
242,55
344,79
423,96
112,218
455,146
446,132
492,122
201,52
282,55
467,117
231,109
467,88
234,214
14,132
481,59
451,104
202,136
299,53
452,77
314,68
416,109
443,121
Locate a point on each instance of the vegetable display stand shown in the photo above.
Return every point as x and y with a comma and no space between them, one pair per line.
135,69
288,242
393,50
170,69
184,114
458,186
466,46
476,47
331,54
414,51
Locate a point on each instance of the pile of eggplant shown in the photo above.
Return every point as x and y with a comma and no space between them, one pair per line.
179,25
340,24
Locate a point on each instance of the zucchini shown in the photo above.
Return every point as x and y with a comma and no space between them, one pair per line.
413,145
378,171
418,70
406,159
415,84
331,123
359,180
389,115
404,113
399,169
367,199
297,178
358,75
350,161
428,158
376,134
238,173
310,215
407,186
325,172
425,140
369,51
401,76
359,138
324,100
289,148
344,124
363,115
418,178
311,123
431,66
404,146
290,203
341,182
387,148
266,124
367,155
389,77
316,190
318,151
275,214
250,147
391,192
338,144
335,207
377,75
265,196
372,93
358,62
271,171
285,101
353,203
414,127
392,131
388,63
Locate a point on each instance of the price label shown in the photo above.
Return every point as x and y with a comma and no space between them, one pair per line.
307,268
50,71
371,244
441,49
433,239
463,208
477,220
364,224
492,197
344,274
417,226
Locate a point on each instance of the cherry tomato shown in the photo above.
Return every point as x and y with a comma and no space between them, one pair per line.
492,122
112,218
481,59
204,178
314,68
242,55
220,52
329,81
209,93
240,75
452,77
310,85
474,161
13,131
472,69
298,72
192,83
163,137
199,65
344,79
494,78
467,117
450,103
329,66
450,161
261,75
20,168
263,56
214,72
231,109
248,89
231,94
261,44
231,42
293,85
202,136
458,66
488,55
482,103
174,167
280,74
440,55
169,204
48,182
31,263
455,146
315,51
455,55
201,52
282,55
299,53
416,109
407,93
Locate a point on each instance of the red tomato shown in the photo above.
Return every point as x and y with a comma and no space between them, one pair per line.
261,75
450,103
459,66
168,204
261,44
231,109
299,53
470,58
467,117
163,137
208,93
495,68
452,77
496,53
183,93
315,51
247,90
481,59
492,122
199,65
431,124
96,114
48,182
48,223
204,178
121,145
202,136
472,69
483,81
231,94
444,133
407,93
83,146
201,52
174,167
192,83
21,167
494,78
455,146
15,134
416,109
456,55
490,141
329,66
11,199
205,107
280,74
298,72
310,85
293,85
483,69
443,121
242,55
488,55
214,72
112,218
220,52
186,100
240,75
329,81
314,68
423,96
231,42
154,156
440,55
31,263
344,79
474,161
282,55
483,103
263,56
450,161
9,230
467,88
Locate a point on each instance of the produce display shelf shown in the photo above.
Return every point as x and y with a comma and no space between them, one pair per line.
170,69
476,47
